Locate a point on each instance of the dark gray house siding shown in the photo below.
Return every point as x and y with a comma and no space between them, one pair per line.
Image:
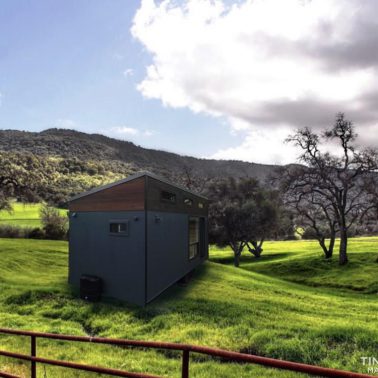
168,247
118,260
154,253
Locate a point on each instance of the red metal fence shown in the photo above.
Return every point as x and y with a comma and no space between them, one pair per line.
186,349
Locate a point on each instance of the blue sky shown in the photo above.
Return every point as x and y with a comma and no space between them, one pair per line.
208,78
62,64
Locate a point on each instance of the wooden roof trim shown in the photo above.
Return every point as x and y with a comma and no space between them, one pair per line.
131,178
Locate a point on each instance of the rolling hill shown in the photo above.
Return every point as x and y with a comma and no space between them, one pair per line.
73,144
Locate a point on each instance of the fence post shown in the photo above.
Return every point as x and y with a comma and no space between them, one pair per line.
185,364
33,353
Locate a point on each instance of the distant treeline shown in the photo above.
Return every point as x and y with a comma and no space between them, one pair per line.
55,164
69,144
53,179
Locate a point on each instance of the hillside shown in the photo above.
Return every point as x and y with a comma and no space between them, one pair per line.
93,147
252,309
24,215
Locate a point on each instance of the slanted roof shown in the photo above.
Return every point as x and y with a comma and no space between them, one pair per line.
131,178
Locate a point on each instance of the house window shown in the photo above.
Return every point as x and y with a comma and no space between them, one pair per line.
188,202
168,197
119,227
194,237
200,205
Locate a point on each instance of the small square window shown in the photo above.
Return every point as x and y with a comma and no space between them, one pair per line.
188,202
168,197
119,227
200,205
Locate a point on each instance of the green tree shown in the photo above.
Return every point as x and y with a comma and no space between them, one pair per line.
19,179
241,214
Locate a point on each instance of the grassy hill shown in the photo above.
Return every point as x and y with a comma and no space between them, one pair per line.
302,262
24,215
256,308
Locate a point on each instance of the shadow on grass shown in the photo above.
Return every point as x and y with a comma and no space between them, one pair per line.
179,291
249,258
67,305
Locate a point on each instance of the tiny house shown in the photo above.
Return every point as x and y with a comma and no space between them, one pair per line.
139,235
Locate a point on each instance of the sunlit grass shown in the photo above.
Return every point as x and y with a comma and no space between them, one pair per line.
255,309
24,215
303,262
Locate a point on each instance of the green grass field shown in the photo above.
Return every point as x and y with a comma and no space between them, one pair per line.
316,313
23,215
302,262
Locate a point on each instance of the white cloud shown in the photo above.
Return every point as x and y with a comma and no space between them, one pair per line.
148,133
126,132
261,146
261,64
128,72
123,130
65,123
118,56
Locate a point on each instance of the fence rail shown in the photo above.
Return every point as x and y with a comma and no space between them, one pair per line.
186,349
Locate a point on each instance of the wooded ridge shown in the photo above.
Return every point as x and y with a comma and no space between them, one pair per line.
71,144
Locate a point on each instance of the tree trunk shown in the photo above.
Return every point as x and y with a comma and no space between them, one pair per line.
343,257
331,245
328,251
237,248
321,241
236,259
257,248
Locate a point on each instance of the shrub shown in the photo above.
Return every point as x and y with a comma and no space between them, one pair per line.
54,225
36,233
8,231
309,233
292,237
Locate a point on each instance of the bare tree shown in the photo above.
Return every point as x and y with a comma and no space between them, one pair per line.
315,214
192,180
339,181
189,178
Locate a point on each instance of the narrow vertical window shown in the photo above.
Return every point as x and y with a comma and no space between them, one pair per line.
194,237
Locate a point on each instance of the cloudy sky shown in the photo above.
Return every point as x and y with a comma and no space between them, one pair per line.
218,79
